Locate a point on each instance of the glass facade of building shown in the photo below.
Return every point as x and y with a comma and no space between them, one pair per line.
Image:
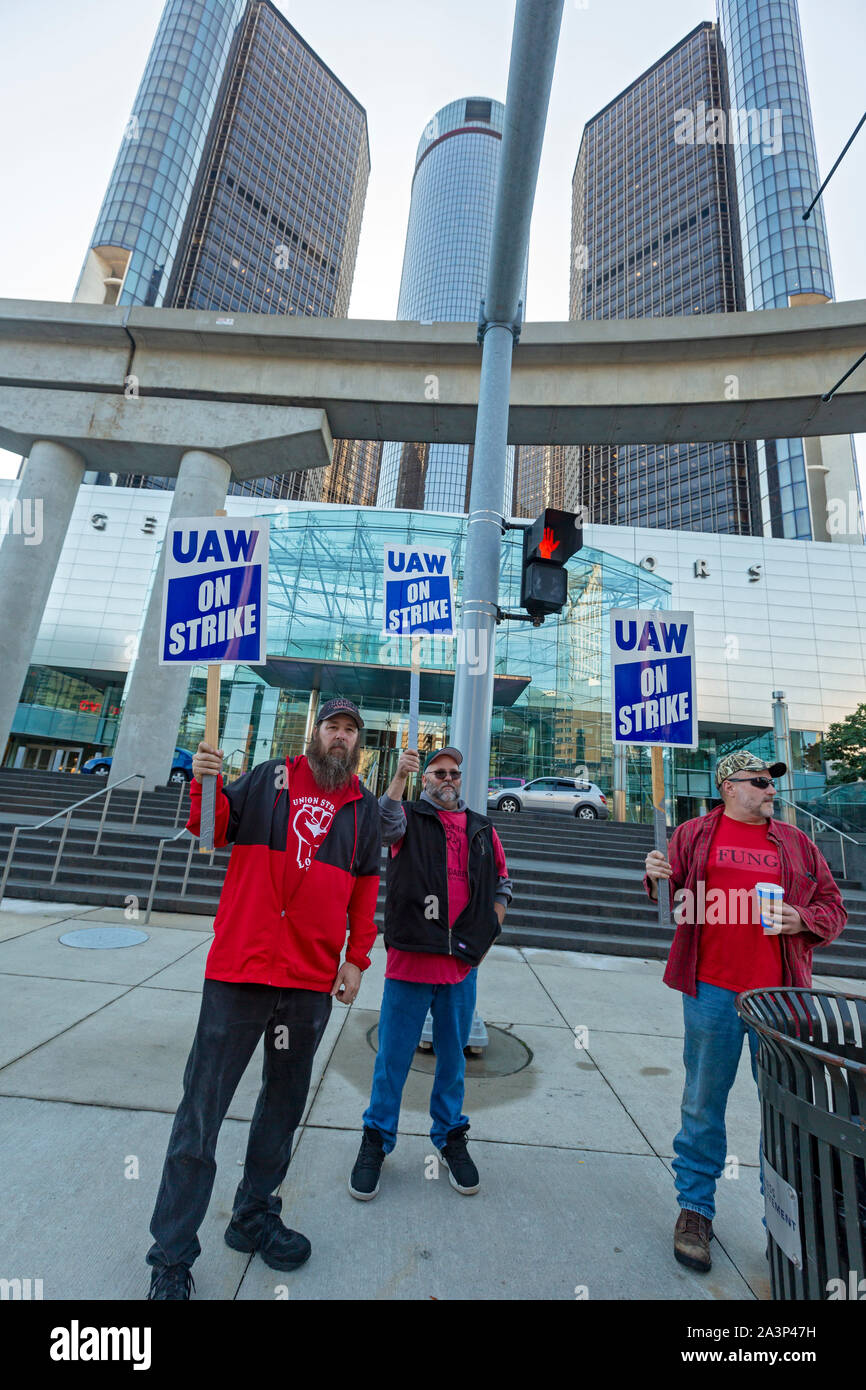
352,476
151,186
444,274
539,477
278,213
777,177
277,162
654,232
551,695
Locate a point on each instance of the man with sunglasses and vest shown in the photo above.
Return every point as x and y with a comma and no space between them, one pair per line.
720,949
304,869
447,892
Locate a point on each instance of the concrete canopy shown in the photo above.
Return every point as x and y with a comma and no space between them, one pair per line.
148,434
662,380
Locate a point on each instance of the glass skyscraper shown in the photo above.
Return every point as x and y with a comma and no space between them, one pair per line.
444,279
654,232
240,184
141,222
784,258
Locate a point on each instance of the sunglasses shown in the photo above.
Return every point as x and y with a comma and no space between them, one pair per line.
437,772
762,782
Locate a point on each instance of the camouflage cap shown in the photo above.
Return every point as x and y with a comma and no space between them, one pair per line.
733,763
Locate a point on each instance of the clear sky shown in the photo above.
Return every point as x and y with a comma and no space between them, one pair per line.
71,71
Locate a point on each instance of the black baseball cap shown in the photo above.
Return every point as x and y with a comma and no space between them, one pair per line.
340,706
440,752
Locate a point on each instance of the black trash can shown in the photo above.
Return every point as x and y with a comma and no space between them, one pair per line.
811,1066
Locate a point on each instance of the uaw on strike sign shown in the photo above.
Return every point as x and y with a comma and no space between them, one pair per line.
652,656
215,596
418,597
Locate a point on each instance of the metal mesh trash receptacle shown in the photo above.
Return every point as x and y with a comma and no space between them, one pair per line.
811,1066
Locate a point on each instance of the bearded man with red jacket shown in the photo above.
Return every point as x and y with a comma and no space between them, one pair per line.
304,868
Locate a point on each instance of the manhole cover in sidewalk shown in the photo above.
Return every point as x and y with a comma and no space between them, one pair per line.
103,938
504,1055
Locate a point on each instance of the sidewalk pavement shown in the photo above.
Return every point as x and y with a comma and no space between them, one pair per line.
574,1148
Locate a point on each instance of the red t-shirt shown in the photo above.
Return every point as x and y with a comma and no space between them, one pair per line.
310,815
423,967
733,951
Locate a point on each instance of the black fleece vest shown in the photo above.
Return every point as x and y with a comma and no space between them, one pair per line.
416,901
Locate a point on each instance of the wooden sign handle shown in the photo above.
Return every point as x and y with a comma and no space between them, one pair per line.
660,825
211,736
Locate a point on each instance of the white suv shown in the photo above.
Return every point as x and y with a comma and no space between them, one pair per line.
581,799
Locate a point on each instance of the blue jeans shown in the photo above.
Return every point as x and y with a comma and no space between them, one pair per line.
404,1008
711,1053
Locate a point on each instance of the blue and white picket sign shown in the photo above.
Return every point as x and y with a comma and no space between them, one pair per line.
654,686
418,595
215,594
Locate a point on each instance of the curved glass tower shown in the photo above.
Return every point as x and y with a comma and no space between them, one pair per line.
138,231
777,177
239,187
444,274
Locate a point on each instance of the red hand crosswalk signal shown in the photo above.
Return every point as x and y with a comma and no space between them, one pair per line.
548,543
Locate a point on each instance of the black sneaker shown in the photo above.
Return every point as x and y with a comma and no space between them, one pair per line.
170,1281
462,1172
364,1182
279,1247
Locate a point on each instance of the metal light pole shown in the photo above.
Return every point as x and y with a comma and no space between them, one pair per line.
782,740
533,53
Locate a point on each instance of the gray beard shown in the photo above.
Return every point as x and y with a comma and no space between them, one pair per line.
332,770
447,804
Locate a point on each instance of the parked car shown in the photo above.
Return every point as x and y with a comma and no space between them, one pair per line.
181,768
502,783
581,799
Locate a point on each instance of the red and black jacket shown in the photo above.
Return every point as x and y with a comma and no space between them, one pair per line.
259,936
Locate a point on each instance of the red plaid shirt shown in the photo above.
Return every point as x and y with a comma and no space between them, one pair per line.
809,887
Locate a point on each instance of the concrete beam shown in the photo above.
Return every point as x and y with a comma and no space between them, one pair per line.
151,434
709,377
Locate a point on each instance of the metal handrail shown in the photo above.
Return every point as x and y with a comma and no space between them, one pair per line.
67,812
816,820
165,840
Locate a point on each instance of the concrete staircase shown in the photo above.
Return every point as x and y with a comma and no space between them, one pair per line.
578,885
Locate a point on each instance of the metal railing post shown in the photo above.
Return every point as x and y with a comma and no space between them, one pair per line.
108,791
138,798
12,843
62,843
153,881
186,870
179,803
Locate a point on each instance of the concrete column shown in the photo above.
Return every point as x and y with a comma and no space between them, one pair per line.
156,694
28,561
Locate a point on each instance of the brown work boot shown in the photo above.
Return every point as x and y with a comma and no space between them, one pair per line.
692,1236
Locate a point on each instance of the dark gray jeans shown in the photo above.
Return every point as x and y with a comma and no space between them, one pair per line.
232,1019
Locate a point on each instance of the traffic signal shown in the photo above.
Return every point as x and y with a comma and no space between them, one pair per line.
552,539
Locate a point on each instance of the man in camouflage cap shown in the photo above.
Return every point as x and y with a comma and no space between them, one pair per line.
720,948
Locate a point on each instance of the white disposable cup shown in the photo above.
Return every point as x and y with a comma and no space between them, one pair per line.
770,895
